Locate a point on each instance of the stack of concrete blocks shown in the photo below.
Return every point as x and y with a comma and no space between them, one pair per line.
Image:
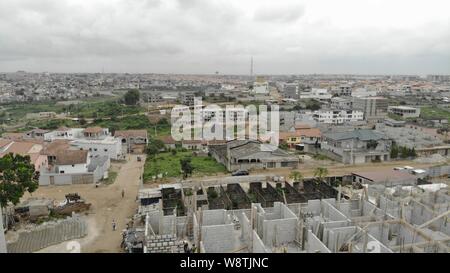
2,234
278,227
166,243
217,231
48,234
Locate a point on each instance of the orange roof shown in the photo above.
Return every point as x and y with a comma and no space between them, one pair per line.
302,126
286,135
4,142
23,148
167,139
93,130
311,132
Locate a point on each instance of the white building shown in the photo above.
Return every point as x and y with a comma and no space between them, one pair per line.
330,116
72,161
64,133
316,93
404,111
109,146
2,234
261,87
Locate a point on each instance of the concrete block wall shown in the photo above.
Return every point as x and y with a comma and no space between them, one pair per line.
2,235
196,228
336,237
258,245
246,231
168,224
314,245
329,226
279,231
218,238
215,217
333,213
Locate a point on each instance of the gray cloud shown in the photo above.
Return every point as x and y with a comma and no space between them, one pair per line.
202,36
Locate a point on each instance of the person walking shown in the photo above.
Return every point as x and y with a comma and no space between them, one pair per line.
123,193
113,225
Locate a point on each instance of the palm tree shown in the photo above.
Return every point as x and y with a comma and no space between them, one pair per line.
320,173
296,176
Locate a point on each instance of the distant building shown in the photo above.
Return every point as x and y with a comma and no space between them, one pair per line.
261,87
357,146
290,91
387,178
335,116
316,93
341,103
404,111
342,91
133,141
374,108
247,154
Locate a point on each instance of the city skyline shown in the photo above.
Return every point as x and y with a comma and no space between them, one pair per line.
202,37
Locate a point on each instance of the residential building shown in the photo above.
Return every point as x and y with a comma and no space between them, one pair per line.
261,87
341,103
316,93
342,91
64,133
248,154
99,142
290,91
404,111
335,116
357,146
133,141
25,148
374,108
387,178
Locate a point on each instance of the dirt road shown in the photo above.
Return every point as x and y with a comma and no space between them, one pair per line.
337,169
107,204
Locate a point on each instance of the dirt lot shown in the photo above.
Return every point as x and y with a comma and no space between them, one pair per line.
107,204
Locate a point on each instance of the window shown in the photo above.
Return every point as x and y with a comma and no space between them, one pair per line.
95,149
73,165
106,150
61,171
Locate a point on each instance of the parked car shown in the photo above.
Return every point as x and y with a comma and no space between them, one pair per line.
240,173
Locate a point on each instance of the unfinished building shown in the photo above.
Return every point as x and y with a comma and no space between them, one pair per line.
307,217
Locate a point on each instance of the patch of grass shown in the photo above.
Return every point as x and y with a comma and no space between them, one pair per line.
169,165
434,113
112,175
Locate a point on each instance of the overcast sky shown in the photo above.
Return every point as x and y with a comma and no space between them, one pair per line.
204,36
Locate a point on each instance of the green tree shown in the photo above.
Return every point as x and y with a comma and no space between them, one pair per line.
154,147
186,167
17,176
83,122
296,176
394,151
320,173
131,97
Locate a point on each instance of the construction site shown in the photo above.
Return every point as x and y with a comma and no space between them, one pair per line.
282,217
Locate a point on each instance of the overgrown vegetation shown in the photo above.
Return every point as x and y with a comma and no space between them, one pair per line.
169,165
402,152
